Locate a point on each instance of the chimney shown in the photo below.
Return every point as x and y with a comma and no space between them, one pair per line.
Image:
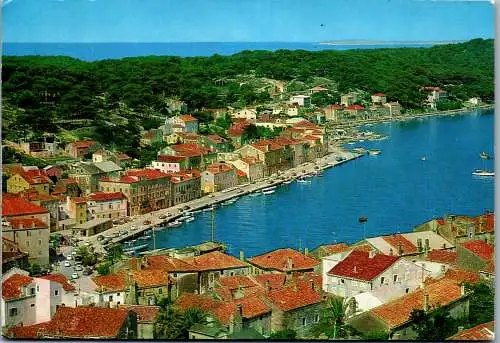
306,251
242,256
400,249
289,263
311,283
354,270
372,253
268,285
460,328
239,307
443,268
391,253
481,223
419,244
462,289
427,246
426,302
21,226
138,263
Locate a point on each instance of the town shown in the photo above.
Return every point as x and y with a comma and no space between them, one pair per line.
68,273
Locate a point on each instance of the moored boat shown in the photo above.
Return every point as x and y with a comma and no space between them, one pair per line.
271,191
189,219
374,152
485,156
302,180
480,172
175,223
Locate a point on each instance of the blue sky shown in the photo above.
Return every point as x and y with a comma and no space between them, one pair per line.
244,20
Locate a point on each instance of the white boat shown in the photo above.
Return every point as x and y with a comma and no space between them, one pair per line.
207,209
271,191
374,152
186,214
424,158
145,238
175,223
189,219
158,228
480,172
136,248
255,194
287,182
485,156
301,180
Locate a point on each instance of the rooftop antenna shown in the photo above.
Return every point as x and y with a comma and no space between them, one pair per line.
213,223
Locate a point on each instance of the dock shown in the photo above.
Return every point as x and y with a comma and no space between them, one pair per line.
172,213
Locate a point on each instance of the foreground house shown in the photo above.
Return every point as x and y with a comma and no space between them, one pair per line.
481,332
394,317
82,323
218,177
145,319
102,205
29,180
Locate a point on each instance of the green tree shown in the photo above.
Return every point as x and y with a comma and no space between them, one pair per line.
171,323
103,269
88,258
482,303
436,325
285,334
114,254
332,323
35,269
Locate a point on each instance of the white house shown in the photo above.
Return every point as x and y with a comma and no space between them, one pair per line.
246,113
301,100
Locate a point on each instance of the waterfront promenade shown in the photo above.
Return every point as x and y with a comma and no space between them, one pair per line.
172,213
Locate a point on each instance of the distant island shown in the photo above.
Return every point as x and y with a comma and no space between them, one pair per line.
383,42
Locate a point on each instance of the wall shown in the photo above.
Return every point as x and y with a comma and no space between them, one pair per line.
311,314
33,241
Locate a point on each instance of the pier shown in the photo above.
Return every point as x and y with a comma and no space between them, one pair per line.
174,212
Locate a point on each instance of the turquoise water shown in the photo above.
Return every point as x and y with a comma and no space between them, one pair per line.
395,190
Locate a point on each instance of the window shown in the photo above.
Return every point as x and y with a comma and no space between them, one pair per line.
56,292
32,305
407,290
316,318
160,291
382,280
304,321
175,274
13,312
39,242
395,278
341,280
37,288
117,294
32,290
28,234
118,303
110,298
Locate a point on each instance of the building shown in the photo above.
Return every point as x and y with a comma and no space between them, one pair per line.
67,187
301,100
183,123
236,131
249,114
394,108
170,163
283,260
107,205
217,177
29,180
211,266
298,147
349,99
146,316
146,190
275,157
318,89
329,249
83,323
77,209
18,305
474,255
379,99
333,112
481,332
49,202
92,227
394,317
39,149
151,137
251,166
87,175
354,111
13,256
215,143
79,149
186,186
434,95
193,152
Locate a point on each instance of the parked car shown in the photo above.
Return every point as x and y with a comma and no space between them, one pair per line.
67,263
87,271
240,190
69,257
74,276
78,268
100,237
210,195
162,216
147,222
186,207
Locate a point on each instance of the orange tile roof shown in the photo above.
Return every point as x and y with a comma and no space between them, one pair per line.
215,138
264,144
219,168
241,173
33,195
27,223
187,118
61,279
190,149
215,260
480,248
398,239
359,265
355,107
83,144
35,177
171,158
151,278
102,196
250,160
87,322
252,306
134,176
13,205
27,332
111,282
278,260
294,296
11,288
334,248
459,276
166,263
490,267
276,281
481,332
397,312
145,313
442,256
236,281
379,94
305,124
488,222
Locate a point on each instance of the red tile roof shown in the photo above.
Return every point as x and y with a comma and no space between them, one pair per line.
111,282
488,222
134,176
190,149
241,173
171,158
215,260
250,160
334,107
33,195
442,256
102,196
168,264
16,206
219,168
61,279
398,239
305,124
334,248
234,282
150,278
83,144
268,144
27,223
145,313
294,296
379,94
481,332
275,281
278,260
480,249
359,265
459,276
252,306
11,288
35,177
355,107
27,332
187,118
215,138
397,312
87,322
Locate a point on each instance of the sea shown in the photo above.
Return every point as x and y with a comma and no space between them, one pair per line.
102,51
396,190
